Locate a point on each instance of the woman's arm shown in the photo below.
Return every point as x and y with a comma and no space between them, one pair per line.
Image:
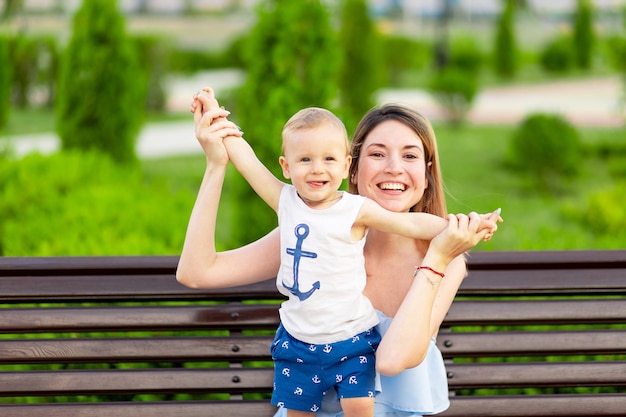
406,342
200,265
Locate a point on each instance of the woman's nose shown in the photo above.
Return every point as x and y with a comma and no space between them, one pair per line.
393,166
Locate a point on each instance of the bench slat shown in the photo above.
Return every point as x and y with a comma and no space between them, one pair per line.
142,409
536,374
123,287
538,406
210,317
544,282
153,349
517,312
546,343
125,381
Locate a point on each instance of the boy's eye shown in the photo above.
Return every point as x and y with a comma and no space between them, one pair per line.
306,159
330,158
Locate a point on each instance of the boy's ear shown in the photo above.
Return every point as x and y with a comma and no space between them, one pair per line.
347,168
285,166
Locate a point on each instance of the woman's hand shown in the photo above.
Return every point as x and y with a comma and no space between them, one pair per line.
462,234
212,126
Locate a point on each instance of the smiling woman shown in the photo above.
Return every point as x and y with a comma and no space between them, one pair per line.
400,171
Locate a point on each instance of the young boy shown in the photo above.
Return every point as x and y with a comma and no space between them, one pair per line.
326,337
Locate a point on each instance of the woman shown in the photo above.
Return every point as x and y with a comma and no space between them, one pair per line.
395,163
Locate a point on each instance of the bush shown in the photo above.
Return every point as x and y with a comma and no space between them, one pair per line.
402,54
505,55
361,47
455,90
5,83
605,213
583,38
154,53
466,55
547,148
101,95
77,203
287,69
558,55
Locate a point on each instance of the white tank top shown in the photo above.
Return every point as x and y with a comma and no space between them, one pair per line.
322,270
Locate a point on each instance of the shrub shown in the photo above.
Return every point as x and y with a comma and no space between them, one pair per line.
505,55
101,94
5,83
605,213
466,55
547,148
455,90
558,54
361,72
154,53
402,54
287,69
583,38
82,203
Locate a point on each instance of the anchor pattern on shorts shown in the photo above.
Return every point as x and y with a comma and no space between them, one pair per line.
301,231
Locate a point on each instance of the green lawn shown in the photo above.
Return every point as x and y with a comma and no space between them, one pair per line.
476,179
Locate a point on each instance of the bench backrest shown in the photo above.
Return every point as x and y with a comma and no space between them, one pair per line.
111,336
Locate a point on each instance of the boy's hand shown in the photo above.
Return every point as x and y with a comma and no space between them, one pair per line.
212,125
490,222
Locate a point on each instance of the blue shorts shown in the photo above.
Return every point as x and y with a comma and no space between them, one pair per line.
304,372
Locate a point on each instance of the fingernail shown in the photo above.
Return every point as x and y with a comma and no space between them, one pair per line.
498,211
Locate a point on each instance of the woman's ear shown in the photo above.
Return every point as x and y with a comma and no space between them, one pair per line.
428,175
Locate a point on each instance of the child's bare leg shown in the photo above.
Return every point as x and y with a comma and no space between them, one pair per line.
358,407
296,413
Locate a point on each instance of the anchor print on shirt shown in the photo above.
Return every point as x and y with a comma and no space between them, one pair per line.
301,231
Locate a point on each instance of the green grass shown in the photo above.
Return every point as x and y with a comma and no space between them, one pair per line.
476,179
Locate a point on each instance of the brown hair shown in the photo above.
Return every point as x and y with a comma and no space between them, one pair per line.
433,200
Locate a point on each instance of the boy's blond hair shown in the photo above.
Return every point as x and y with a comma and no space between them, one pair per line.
312,117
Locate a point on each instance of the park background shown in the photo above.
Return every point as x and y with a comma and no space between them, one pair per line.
95,77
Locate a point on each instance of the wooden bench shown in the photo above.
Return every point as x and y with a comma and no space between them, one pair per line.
118,336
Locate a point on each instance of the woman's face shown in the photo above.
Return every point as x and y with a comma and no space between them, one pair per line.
391,168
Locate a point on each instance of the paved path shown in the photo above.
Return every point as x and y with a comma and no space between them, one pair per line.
589,102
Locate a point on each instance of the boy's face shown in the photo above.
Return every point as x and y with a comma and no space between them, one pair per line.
317,161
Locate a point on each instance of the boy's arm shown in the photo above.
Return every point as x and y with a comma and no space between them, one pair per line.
264,183
423,226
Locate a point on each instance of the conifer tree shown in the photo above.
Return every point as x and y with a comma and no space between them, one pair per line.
583,33
506,49
101,91
5,82
362,67
291,62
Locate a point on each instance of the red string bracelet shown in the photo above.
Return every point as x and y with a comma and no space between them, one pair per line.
441,274
433,283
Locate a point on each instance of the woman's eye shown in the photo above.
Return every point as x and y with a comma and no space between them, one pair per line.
410,156
377,154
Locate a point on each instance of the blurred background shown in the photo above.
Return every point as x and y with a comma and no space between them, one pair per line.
98,155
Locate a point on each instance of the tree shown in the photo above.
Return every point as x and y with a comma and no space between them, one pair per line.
5,82
583,33
291,62
506,50
101,91
361,73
